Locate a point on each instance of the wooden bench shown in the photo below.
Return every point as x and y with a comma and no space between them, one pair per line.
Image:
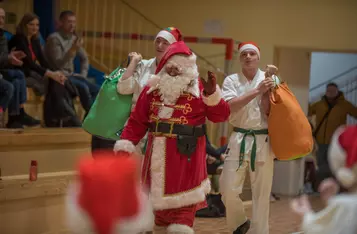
34,106
38,206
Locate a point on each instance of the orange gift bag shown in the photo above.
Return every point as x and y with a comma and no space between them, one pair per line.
290,132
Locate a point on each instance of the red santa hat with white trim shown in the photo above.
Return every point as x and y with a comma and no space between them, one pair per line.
107,198
343,155
179,55
249,45
171,34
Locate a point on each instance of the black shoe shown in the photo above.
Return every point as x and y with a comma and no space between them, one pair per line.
243,229
209,212
216,200
29,121
14,125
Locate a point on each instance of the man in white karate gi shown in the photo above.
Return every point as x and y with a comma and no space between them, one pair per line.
248,148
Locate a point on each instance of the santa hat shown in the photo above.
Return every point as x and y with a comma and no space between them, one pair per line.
107,198
187,58
248,46
343,155
170,34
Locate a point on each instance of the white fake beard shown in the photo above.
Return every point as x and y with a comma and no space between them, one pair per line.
172,87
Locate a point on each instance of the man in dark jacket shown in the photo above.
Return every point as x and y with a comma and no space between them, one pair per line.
331,113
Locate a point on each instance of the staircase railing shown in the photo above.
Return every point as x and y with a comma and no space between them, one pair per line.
113,28
334,78
101,20
344,80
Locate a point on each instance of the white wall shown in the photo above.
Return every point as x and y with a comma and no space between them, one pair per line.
324,66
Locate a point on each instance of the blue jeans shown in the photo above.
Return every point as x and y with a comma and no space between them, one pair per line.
17,79
87,91
6,93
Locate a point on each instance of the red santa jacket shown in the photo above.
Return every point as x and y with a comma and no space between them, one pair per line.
173,180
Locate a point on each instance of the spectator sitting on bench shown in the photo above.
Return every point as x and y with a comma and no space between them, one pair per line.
18,118
61,49
35,65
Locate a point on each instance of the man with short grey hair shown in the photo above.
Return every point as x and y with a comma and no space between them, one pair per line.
61,49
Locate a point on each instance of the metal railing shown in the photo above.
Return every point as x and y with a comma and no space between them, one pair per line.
344,80
113,18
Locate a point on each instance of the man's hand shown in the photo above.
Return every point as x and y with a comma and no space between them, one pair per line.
210,84
77,43
265,85
57,76
301,205
211,159
15,57
135,57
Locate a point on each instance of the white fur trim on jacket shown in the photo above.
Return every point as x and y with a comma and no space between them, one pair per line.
158,164
213,99
124,145
179,228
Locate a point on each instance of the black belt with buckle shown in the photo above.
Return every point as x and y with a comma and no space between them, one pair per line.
178,129
186,135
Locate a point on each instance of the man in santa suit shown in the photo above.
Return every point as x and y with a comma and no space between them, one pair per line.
174,107
248,148
340,214
107,197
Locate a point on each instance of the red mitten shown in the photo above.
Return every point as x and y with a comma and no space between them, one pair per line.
210,84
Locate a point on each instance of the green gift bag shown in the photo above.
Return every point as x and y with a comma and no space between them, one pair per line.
110,110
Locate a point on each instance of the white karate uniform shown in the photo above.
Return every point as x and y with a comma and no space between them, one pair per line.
135,84
339,217
233,176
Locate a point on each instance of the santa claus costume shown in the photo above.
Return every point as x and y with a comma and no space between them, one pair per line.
339,217
174,107
107,198
139,73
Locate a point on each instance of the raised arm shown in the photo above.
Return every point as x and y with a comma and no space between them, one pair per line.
54,52
217,110
126,84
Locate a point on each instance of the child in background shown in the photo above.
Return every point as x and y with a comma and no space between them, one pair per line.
339,216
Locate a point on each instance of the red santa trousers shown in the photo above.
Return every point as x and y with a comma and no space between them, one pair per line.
184,216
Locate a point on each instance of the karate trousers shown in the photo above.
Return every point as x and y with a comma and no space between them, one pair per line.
231,184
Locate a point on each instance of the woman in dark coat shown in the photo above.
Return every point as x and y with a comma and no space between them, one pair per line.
58,107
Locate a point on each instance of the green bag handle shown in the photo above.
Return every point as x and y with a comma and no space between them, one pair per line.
118,71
